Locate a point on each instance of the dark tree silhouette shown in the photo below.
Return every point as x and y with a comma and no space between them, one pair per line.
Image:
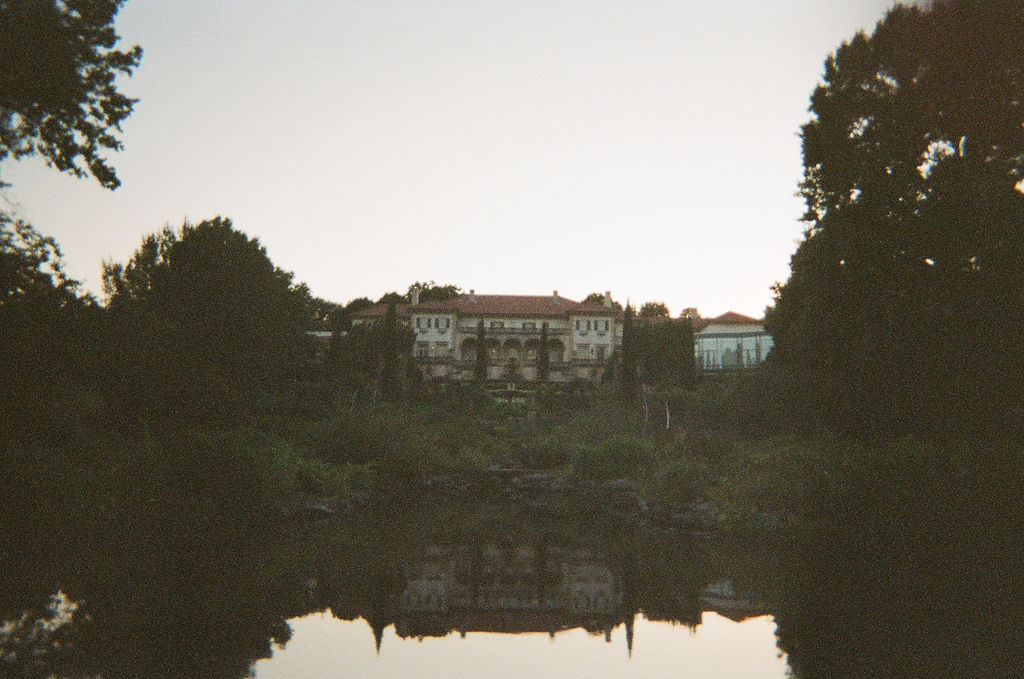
905,289
58,96
654,310
393,298
480,370
599,298
664,350
326,315
432,292
31,266
389,375
628,383
52,355
218,323
544,355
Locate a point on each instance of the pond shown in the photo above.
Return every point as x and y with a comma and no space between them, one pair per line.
524,609
427,589
323,646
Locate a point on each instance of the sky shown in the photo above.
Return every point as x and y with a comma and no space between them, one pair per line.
649,147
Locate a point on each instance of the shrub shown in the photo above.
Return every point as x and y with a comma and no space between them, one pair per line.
620,456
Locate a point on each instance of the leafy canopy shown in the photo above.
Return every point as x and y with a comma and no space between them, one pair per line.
913,168
58,96
599,298
654,310
219,317
31,267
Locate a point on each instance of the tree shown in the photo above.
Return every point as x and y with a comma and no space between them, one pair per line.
904,289
389,374
480,370
544,355
664,350
326,315
628,384
342,321
599,298
52,353
393,298
432,292
219,326
357,358
654,310
31,266
58,96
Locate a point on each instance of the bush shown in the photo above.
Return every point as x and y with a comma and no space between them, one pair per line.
682,480
620,456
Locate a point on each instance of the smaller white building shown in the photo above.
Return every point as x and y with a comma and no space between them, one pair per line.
731,341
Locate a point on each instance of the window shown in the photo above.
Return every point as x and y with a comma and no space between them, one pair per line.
588,324
600,352
418,319
577,325
447,322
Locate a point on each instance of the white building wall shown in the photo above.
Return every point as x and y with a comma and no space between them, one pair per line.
435,334
593,337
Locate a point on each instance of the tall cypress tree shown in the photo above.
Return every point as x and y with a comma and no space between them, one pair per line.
544,358
628,384
389,347
480,371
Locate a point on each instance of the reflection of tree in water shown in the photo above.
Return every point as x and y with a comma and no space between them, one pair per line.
165,589
176,594
911,576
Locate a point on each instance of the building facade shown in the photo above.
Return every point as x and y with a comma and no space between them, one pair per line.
581,337
731,341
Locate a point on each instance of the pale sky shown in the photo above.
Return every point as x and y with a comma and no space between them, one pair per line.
646,147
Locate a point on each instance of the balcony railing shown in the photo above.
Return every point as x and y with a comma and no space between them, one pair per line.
472,330
497,362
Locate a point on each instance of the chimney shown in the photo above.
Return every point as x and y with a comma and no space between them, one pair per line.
608,299
472,296
555,297
415,296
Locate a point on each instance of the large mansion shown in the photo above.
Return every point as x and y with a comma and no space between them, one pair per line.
581,336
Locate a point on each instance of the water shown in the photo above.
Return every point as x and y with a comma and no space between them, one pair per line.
323,646
524,609
425,589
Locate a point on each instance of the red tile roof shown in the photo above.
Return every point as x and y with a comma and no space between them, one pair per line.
733,318
499,305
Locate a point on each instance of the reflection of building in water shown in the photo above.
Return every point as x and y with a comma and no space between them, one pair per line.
525,588
508,589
